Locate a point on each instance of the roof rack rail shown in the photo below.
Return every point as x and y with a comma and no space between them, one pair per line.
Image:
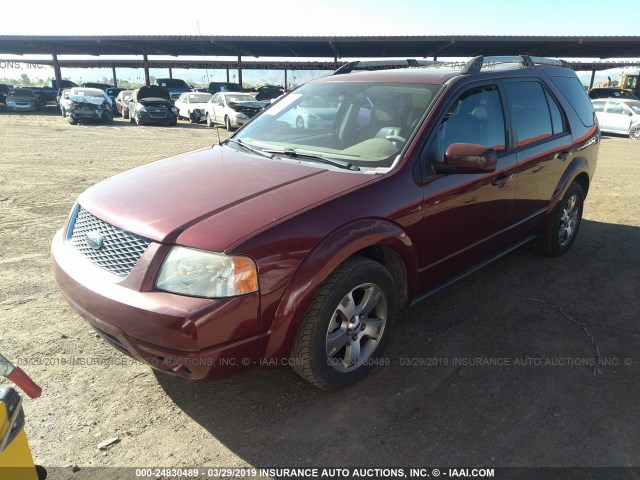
475,64
383,65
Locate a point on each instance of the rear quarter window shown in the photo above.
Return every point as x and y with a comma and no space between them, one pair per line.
574,92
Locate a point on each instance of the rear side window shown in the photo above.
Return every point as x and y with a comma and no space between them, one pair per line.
556,115
615,108
598,106
529,111
574,92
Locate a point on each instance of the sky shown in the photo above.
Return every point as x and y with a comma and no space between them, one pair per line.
323,18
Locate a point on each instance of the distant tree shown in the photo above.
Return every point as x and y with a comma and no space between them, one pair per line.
24,78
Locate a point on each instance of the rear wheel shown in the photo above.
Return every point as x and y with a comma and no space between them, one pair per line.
562,231
347,325
72,120
300,122
125,113
634,133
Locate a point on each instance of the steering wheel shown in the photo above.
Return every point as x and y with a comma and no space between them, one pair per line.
397,140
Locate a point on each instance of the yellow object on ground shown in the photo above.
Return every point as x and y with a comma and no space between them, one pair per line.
16,462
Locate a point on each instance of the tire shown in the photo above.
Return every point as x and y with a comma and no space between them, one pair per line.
565,223
209,122
107,116
63,112
227,124
173,123
324,350
125,114
191,119
300,122
634,133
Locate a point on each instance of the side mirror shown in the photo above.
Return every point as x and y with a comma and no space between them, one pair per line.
467,158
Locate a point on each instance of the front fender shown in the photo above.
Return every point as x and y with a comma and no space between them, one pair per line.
318,265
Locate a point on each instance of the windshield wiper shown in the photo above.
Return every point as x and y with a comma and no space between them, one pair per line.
290,152
263,153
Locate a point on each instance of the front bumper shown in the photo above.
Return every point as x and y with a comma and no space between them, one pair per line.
190,337
146,117
29,107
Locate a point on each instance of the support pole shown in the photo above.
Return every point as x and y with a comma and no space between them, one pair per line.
227,75
285,79
56,70
170,72
115,79
147,81
240,70
593,76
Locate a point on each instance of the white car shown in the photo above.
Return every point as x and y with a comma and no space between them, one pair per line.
617,115
232,109
312,114
191,106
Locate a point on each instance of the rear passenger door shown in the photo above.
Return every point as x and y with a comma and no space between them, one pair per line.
617,117
542,143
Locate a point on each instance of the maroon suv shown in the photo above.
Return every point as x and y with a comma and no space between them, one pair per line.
298,242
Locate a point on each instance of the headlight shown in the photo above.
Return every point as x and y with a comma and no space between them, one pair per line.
174,110
241,115
204,274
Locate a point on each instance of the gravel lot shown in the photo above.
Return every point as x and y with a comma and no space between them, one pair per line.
436,404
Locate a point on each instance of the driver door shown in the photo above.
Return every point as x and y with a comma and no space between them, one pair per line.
466,216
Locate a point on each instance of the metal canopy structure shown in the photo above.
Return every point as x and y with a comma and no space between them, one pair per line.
318,47
327,47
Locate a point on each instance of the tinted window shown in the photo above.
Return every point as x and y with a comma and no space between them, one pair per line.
556,115
598,106
476,117
529,111
573,91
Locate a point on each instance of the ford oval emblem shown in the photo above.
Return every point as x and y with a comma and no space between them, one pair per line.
94,240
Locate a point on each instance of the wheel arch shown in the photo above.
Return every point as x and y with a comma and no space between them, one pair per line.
576,171
377,239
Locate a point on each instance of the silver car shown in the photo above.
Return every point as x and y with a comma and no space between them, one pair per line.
617,115
22,99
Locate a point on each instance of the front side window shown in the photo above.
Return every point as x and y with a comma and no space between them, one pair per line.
599,106
529,111
615,108
364,123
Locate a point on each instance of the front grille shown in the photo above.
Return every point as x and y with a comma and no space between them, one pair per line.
119,250
248,111
157,112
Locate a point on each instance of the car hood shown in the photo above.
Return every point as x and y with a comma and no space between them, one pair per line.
90,100
235,193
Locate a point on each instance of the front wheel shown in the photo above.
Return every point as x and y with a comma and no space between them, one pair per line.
347,325
634,133
209,121
227,124
562,231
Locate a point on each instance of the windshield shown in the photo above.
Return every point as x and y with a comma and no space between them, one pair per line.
84,92
172,83
199,97
239,98
364,123
22,92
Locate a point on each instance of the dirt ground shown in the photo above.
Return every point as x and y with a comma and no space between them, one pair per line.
496,370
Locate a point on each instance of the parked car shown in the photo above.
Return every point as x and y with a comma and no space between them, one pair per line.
176,86
64,102
112,93
45,95
215,87
87,104
619,116
23,99
63,84
269,92
611,92
313,113
122,102
152,105
192,106
4,91
283,246
232,109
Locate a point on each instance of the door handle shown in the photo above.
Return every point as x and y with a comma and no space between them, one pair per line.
501,180
563,155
